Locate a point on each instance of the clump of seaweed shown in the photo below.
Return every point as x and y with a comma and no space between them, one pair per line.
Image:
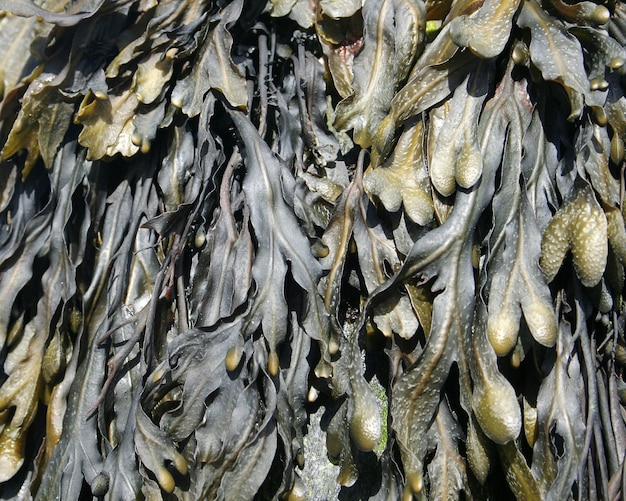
219,217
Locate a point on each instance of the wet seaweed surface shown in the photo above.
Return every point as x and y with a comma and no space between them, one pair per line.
220,218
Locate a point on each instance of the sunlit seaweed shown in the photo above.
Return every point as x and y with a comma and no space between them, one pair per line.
217,218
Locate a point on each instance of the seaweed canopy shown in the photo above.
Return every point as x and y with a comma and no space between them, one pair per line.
217,218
